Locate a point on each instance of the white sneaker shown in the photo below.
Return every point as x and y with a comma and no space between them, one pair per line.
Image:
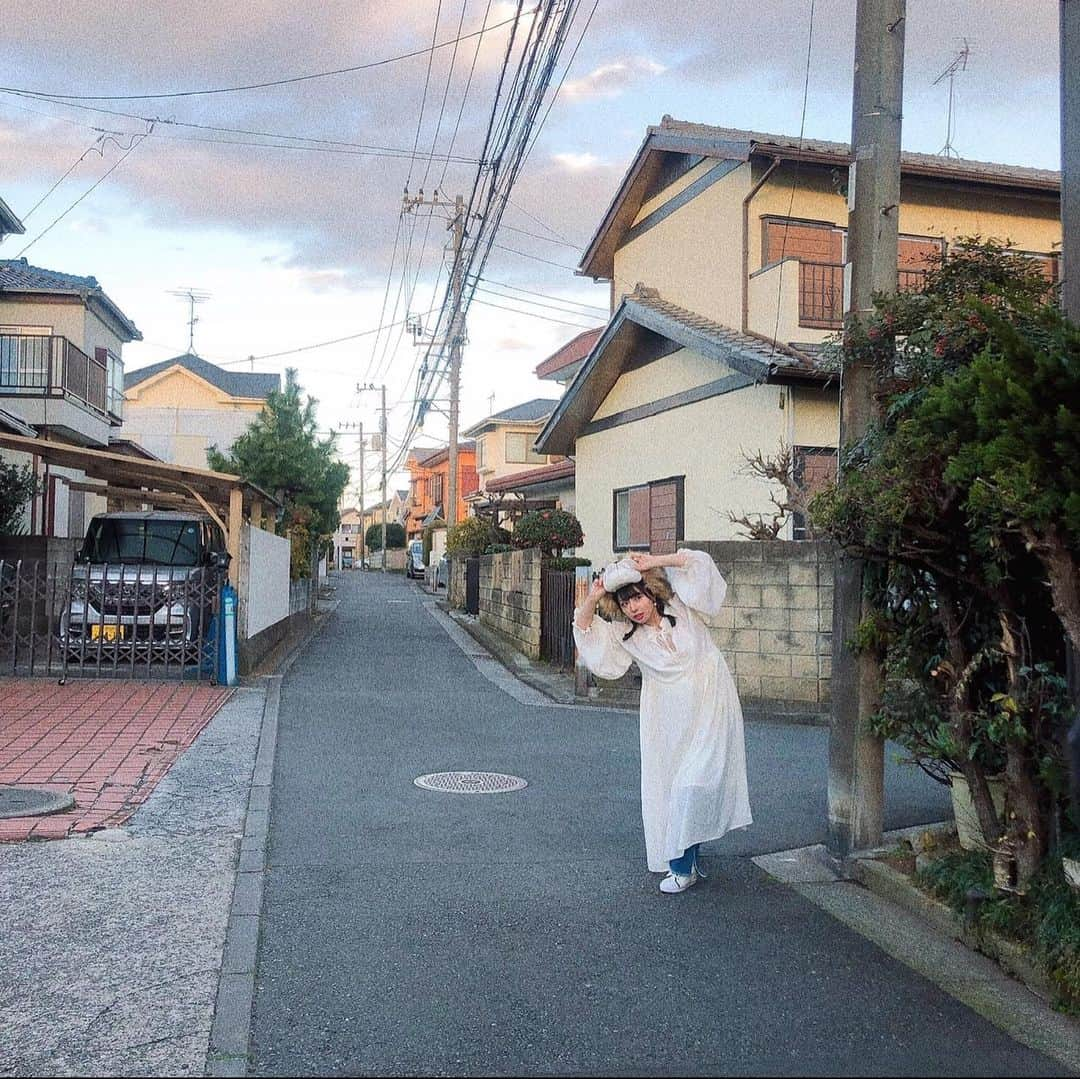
674,883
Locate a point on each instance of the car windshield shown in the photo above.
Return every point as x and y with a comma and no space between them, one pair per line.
142,541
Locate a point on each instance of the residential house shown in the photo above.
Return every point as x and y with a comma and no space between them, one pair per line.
563,364
429,485
347,541
178,408
397,510
725,251
10,225
504,446
61,375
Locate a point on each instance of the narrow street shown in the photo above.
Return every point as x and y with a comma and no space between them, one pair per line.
411,932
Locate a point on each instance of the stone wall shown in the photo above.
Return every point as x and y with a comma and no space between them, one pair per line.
510,597
455,589
775,628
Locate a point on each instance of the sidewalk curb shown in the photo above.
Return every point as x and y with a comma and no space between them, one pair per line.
992,977
230,1034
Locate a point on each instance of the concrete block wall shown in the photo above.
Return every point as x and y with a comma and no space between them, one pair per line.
775,628
510,597
455,587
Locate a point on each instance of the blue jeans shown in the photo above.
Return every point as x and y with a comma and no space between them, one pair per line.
684,864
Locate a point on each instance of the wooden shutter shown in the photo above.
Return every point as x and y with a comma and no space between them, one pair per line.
639,516
663,517
808,243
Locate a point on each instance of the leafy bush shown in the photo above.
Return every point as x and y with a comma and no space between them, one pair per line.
1047,919
566,563
471,538
498,548
553,531
18,485
395,536
961,497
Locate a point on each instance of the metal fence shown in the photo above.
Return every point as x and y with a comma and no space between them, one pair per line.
556,616
121,621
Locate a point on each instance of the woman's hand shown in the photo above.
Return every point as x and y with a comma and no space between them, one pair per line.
643,562
585,613
597,589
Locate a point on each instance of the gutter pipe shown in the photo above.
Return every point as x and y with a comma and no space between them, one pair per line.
746,239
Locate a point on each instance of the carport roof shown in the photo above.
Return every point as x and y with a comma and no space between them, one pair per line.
154,482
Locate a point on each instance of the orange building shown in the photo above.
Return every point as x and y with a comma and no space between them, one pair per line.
429,485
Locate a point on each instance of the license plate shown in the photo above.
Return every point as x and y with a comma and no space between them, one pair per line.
107,633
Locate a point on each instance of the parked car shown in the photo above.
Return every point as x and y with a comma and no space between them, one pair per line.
414,559
149,577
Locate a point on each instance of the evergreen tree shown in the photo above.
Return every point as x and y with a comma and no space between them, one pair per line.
282,453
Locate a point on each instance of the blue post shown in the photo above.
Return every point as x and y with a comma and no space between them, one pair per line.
227,637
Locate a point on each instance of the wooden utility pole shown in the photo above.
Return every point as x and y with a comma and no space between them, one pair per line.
856,757
457,336
455,332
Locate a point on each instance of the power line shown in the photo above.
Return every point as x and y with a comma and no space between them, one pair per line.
536,258
532,314
45,94
136,140
532,303
323,145
537,236
547,296
427,80
541,223
78,161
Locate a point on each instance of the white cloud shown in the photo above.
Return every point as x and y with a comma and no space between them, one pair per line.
576,162
612,79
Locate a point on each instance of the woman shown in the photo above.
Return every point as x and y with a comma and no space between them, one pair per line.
693,759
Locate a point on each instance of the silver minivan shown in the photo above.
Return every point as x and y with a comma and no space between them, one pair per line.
150,576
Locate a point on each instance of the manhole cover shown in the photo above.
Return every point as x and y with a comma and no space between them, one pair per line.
32,802
470,782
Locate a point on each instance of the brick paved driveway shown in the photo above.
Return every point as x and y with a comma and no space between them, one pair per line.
107,743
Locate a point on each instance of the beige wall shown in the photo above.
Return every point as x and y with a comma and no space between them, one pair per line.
494,442
694,256
703,442
178,416
65,319
926,209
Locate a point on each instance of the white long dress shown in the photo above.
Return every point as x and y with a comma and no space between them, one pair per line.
693,755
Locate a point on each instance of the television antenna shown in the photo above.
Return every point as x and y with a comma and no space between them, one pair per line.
193,296
956,65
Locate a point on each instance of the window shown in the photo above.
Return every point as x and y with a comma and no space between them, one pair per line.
437,490
648,517
815,466
24,357
480,442
519,451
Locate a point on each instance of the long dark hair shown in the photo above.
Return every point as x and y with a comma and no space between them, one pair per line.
639,588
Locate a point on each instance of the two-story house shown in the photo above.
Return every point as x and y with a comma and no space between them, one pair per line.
61,375
725,250
347,538
504,448
178,408
429,485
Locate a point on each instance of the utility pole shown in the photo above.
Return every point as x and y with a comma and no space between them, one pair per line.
363,527
455,334
856,757
360,388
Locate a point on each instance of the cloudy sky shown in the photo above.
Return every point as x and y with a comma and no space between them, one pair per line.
294,239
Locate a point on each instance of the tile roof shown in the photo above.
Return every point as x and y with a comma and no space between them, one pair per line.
17,275
573,351
750,346
440,454
539,408
247,384
533,476
10,225
960,168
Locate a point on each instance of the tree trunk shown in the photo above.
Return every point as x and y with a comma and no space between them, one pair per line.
1064,576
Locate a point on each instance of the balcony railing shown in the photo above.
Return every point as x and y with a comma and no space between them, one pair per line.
40,365
821,292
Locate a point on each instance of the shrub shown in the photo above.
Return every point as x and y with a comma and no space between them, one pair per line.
470,538
395,536
553,531
565,563
18,485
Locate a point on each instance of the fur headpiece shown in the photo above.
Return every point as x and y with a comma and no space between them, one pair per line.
653,582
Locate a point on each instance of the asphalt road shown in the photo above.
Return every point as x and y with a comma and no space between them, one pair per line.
406,932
